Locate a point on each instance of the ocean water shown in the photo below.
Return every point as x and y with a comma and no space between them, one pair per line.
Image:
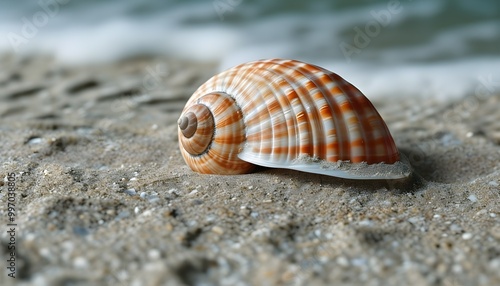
430,48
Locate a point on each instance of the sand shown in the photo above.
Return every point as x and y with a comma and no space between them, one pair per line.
103,196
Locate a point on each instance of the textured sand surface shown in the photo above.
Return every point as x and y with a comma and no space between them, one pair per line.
104,197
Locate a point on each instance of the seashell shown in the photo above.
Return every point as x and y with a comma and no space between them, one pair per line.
286,114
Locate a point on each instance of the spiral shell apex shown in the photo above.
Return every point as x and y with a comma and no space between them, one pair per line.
286,114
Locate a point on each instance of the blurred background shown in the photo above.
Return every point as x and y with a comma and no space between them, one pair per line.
440,48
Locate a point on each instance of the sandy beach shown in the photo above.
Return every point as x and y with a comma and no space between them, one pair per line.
103,196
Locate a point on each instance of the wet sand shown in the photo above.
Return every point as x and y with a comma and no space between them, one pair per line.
103,196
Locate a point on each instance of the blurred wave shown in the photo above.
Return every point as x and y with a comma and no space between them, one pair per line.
437,48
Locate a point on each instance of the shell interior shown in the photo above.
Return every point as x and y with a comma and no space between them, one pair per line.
342,169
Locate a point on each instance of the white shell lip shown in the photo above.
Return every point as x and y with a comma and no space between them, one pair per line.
342,169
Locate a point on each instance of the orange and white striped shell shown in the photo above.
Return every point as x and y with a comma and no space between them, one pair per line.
286,114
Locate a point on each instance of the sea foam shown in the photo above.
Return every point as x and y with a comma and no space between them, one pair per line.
418,48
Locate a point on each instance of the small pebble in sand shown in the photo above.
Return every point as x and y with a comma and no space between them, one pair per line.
467,236
493,183
359,262
174,192
472,198
217,230
495,232
122,215
80,262
153,197
45,252
154,254
495,264
245,211
366,222
341,260
317,232
147,213
415,219
35,140
318,220
455,228
131,192
481,212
